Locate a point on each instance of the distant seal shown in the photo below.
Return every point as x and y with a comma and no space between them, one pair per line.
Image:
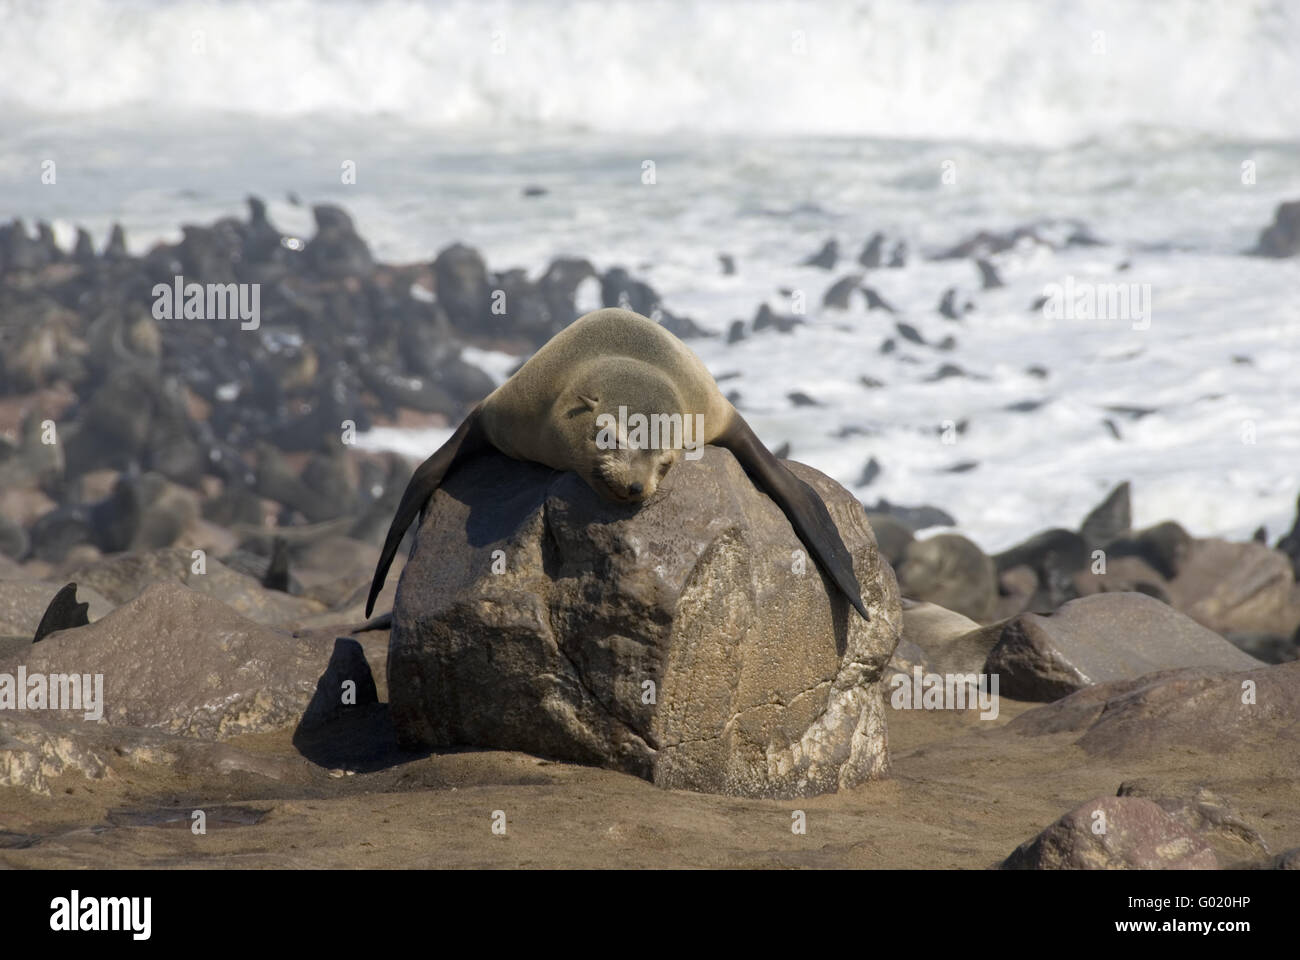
559,404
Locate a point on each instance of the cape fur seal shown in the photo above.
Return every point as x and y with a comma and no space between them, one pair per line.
569,406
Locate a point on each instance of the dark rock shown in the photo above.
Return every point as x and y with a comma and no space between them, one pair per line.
1282,237
948,305
871,253
800,399
898,258
909,333
876,302
736,332
728,264
826,257
989,279
869,473
840,292
766,317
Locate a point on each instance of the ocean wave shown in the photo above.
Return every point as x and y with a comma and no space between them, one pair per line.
1049,72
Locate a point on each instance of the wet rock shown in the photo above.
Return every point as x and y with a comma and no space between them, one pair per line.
989,279
876,302
871,253
766,317
1282,237
826,257
1103,638
838,296
672,642
1114,833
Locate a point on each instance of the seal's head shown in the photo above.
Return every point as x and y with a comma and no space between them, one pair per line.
630,475
637,431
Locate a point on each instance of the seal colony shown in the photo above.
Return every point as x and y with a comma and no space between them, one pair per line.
566,408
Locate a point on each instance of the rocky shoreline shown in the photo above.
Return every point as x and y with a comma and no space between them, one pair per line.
195,478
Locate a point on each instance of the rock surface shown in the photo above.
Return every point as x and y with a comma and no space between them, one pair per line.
1208,711
1114,833
180,661
1101,638
673,642
124,577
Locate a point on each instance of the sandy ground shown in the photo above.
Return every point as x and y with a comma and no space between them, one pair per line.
964,793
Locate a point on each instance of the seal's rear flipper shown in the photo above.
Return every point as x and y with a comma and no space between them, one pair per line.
801,504
428,476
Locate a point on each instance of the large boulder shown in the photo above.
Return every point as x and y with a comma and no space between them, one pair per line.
1237,588
1199,710
180,661
1104,637
1115,833
690,642
124,577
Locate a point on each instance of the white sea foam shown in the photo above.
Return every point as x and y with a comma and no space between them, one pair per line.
1038,71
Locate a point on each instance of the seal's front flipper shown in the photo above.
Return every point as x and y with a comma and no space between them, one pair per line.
801,504
469,438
